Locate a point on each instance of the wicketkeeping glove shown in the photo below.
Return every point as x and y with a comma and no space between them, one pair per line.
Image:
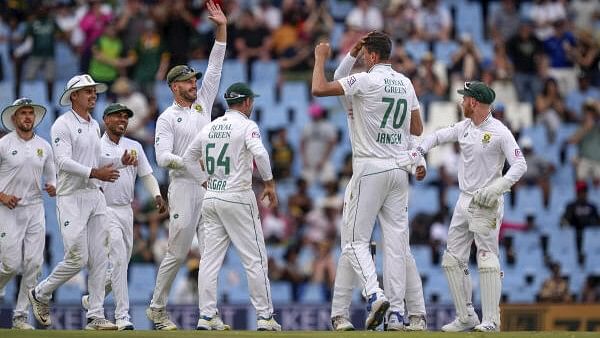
410,157
481,219
490,195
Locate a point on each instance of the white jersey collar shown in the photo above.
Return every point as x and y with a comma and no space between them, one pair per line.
378,65
105,137
233,112
81,119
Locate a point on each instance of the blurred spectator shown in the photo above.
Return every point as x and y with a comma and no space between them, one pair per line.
587,138
299,202
252,40
550,108
40,42
585,13
282,154
323,222
525,51
108,61
591,289
539,171
285,36
586,56
504,22
319,23
438,235
131,22
428,84
141,248
529,225
448,172
400,20
92,25
323,268
275,225
580,214
555,289
466,61
545,13
268,13
433,21
290,271
15,36
502,72
68,23
365,16
317,143
345,172
558,47
150,58
583,93
177,25
402,62
126,94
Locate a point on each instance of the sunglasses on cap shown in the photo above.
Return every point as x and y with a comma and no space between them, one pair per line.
233,96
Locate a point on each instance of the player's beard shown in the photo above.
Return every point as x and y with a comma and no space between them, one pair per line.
25,127
189,96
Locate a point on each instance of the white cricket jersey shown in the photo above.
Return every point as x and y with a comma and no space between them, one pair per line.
22,166
227,147
381,100
120,192
177,126
77,149
483,150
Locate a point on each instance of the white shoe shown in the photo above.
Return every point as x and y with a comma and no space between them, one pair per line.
341,323
458,325
267,324
21,323
41,310
100,324
377,306
395,322
416,323
124,324
212,323
160,319
487,327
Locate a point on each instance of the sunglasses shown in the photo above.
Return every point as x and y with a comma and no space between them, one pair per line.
233,96
467,85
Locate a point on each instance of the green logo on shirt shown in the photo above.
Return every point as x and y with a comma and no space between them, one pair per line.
14,152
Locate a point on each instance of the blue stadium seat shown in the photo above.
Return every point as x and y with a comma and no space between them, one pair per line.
265,72
591,248
469,20
443,51
281,292
142,278
561,247
312,294
422,199
67,62
529,198
416,49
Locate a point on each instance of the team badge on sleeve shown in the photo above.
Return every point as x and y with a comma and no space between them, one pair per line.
518,152
255,134
351,80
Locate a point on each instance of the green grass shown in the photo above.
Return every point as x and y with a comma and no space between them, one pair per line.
288,334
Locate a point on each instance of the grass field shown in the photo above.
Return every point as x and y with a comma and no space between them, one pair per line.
288,334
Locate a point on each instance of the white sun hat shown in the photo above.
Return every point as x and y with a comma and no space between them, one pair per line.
77,82
9,111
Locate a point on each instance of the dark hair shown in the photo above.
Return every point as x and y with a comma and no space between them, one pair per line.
379,43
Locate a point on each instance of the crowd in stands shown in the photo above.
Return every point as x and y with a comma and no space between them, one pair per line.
541,57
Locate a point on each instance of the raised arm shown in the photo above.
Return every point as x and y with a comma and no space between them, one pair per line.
320,85
210,81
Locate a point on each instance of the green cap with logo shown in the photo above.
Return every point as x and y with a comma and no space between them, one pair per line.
238,92
116,108
182,73
479,91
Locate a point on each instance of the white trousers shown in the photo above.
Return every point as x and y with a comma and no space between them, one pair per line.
84,229
460,238
22,239
185,204
120,220
377,189
233,217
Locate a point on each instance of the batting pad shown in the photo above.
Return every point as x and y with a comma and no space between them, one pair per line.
490,285
481,219
454,274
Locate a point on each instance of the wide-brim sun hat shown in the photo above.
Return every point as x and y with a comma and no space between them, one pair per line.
9,111
78,82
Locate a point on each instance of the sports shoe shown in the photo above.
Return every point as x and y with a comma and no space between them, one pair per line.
41,310
99,324
376,307
212,323
124,324
487,327
21,323
160,319
416,323
458,325
341,323
395,322
267,324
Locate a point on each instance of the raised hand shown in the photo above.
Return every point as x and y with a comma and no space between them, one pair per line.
323,50
215,14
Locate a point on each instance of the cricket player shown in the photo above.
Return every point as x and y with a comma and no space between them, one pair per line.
227,148
119,196
26,161
176,128
415,301
485,143
385,112
81,207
